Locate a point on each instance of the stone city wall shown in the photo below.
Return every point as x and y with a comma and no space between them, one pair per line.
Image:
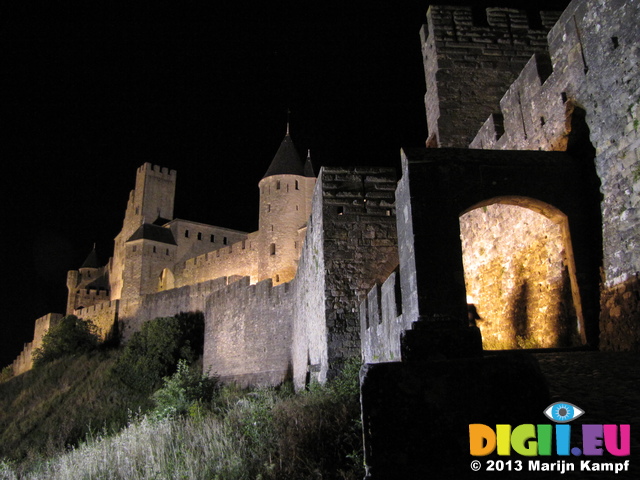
309,340
248,333
103,315
240,258
594,54
381,322
24,361
471,56
191,298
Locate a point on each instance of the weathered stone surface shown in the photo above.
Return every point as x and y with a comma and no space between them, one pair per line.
620,316
517,276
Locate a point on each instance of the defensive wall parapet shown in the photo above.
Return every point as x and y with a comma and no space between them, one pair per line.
103,315
460,46
381,322
190,298
248,333
24,361
240,258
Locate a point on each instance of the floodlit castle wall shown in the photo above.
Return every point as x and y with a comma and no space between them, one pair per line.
189,298
239,258
594,57
248,333
24,361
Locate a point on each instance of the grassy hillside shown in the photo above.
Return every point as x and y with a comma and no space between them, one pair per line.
70,419
47,409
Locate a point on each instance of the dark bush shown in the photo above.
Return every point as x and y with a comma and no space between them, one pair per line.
154,351
70,336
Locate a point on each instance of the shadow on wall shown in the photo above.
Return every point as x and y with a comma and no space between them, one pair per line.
517,275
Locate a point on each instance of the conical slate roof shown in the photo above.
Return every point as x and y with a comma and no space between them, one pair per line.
286,161
91,260
308,167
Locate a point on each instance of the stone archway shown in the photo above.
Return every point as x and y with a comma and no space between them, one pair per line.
520,274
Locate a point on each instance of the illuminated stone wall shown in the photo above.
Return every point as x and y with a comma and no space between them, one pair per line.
248,333
593,55
24,361
516,275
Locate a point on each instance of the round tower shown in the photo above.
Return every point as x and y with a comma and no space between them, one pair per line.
285,205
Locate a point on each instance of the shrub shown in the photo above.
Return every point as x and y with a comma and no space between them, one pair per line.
70,336
183,392
6,373
154,351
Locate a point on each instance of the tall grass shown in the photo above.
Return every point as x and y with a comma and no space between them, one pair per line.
260,434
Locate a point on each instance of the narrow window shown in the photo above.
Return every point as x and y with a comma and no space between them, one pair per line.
278,185
213,238
186,234
137,210
542,121
564,97
615,42
297,208
135,247
244,244
340,210
167,251
225,241
154,249
199,235
297,185
287,188
272,249
277,277
268,207
295,244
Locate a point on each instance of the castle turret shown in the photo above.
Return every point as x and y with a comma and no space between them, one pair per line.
285,206
88,285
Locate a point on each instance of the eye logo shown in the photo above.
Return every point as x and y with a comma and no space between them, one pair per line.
563,412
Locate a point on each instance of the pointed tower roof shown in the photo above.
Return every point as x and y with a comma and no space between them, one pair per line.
286,161
308,166
91,260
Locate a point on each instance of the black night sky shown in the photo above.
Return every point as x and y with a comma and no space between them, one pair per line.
92,92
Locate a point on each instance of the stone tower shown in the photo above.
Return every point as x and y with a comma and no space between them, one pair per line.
87,286
151,202
460,46
148,252
285,206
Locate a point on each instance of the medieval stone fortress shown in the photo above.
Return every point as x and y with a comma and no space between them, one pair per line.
524,202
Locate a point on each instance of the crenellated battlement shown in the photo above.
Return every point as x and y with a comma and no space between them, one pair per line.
460,46
157,170
466,23
360,191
